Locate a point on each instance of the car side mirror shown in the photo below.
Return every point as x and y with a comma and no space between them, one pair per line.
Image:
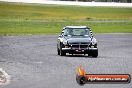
62,32
60,35
93,35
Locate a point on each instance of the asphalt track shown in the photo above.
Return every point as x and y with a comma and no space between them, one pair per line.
32,61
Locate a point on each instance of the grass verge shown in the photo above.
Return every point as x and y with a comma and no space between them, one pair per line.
16,18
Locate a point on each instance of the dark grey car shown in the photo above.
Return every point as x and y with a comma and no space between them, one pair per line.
77,40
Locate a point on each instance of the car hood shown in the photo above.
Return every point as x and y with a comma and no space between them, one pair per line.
75,39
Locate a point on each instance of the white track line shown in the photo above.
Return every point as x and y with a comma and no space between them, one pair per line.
106,4
4,77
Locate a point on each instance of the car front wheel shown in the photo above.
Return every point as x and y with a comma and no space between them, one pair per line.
58,51
62,53
93,53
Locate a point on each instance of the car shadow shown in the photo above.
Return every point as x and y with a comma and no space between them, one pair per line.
78,55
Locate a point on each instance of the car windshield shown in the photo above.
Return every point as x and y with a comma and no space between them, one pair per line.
77,32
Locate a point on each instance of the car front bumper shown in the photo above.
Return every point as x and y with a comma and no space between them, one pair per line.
77,50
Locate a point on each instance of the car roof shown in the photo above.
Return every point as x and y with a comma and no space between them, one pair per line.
75,27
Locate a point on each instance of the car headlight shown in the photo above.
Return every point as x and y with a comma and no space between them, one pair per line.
94,41
65,42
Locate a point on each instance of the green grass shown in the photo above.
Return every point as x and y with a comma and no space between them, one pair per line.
16,18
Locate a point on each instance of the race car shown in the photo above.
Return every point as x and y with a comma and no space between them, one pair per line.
77,40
